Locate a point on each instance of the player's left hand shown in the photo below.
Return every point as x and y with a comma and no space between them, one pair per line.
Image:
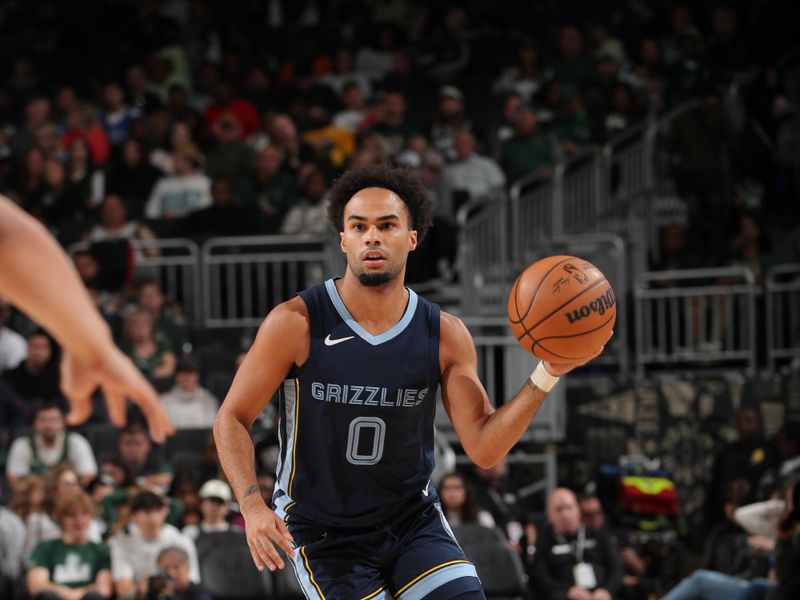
119,379
558,369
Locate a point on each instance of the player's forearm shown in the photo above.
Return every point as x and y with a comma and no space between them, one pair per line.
38,277
497,433
237,457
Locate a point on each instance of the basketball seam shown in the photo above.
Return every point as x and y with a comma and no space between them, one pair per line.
538,286
555,310
558,355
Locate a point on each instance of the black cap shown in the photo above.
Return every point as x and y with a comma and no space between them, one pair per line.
187,364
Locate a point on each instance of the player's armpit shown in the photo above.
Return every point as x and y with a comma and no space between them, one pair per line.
463,394
282,341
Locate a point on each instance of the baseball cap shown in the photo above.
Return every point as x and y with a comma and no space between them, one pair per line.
450,91
214,488
187,363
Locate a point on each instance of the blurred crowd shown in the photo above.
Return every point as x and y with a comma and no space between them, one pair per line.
196,119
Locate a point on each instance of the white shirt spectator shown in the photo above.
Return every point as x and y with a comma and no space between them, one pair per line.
133,557
178,196
305,217
12,542
476,174
195,531
760,518
186,410
13,349
349,119
77,451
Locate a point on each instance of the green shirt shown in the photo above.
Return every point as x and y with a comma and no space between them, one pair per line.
524,155
71,565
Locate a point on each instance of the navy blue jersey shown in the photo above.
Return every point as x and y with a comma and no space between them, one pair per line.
356,422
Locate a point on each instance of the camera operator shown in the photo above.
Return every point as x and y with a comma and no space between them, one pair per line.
172,582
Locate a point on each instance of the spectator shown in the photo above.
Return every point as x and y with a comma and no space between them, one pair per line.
72,567
37,377
332,143
294,150
28,496
458,505
137,86
475,174
86,181
13,348
117,117
572,67
727,53
230,158
37,113
82,125
351,118
393,127
273,189
115,225
134,456
131,177
746,458
175,564
224,216
529,151
169,321
525,78
180,135
12,542
153,353
495,492
215,499
49,444
343,75
186,191
451,118
188,405
674,251
61,483
633,565
750,247
134,552
778,477
309,214
226,102
727,550
573,561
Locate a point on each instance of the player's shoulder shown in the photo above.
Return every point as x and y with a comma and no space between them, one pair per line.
291,314
455,339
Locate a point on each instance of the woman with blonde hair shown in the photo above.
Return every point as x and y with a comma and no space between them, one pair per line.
29,495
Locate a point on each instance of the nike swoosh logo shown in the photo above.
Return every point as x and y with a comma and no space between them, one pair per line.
425,492
330,342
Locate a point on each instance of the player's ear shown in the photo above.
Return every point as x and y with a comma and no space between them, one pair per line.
412,240
341,241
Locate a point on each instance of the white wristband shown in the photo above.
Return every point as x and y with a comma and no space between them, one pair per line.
542,379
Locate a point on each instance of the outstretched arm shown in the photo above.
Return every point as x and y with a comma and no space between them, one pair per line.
487,434
282,341
37,277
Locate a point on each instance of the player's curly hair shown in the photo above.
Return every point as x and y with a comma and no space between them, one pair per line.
407,187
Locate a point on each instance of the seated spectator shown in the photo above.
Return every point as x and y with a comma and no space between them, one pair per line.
224,216
393,127
573,561
352,116
48,445
529,151
37,377
72,567
117,117
132,177
525,77
495,492
12,543
174,570
333,144
115,225
28,496
61,483
215,499
471,172
309,215
169,321
186,490
13,348
162,157
231,158
151,352
82,126
634,566
750,247
178,195
458,505
135,456
273,189
778,477
451,117
134,551
189,405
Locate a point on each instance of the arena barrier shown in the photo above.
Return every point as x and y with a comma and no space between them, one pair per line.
245,277
697,318
782,287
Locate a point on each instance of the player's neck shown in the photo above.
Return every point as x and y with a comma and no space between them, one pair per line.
376,308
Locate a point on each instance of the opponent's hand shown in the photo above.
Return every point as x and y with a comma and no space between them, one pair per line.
264,529
119,379
557,369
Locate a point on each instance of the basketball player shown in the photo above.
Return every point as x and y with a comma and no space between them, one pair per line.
357,362
38,278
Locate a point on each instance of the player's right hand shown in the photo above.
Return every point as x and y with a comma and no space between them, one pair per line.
119,379
264,529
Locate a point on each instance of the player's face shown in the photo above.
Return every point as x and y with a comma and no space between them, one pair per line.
377,236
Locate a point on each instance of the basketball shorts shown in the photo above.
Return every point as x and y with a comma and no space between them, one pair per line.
413,556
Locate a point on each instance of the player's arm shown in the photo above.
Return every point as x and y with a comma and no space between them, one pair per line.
486,433
37,277
282,341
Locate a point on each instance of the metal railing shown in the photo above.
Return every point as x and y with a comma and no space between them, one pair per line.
782,288
245,277
696,318
176,268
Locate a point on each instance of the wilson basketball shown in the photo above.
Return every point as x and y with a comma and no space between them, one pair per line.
562,309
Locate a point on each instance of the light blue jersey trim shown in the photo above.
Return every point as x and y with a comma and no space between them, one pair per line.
365,335
437,579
